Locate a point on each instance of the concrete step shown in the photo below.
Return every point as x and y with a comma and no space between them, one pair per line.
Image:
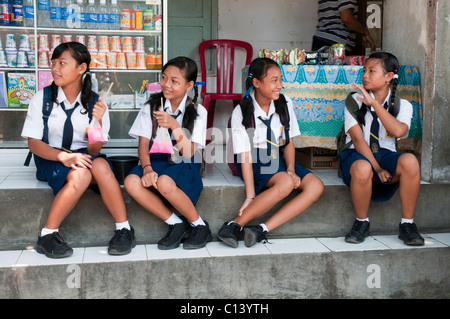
25,203
381,267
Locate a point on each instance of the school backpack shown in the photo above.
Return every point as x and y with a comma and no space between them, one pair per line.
232,158
47,107
353,107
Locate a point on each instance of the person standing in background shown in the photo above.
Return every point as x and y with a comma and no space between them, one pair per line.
337,24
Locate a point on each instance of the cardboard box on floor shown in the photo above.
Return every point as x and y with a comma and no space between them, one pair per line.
316,158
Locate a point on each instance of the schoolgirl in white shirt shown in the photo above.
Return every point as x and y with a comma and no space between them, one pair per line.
372,167
161,179
67,161
269,175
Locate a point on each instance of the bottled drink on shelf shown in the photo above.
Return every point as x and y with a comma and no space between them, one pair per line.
28,13
158,59
55,13
151,59
5,12
68,16
91,15
43,13
103,16
80,17
114,16
16,17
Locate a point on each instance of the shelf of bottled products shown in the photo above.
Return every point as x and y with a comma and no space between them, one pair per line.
126,58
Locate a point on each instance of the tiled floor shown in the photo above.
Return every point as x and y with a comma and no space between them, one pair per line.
19,258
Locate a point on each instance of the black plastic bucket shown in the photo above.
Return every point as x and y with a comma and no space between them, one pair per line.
122,166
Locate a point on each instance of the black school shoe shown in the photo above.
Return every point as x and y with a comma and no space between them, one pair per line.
358,233
229,233
122,242
198,237
175,235
410,235
253,234
53,246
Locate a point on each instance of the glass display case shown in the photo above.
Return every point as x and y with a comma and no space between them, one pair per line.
128,45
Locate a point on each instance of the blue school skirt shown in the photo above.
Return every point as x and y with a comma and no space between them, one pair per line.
381,192
184,172
55,172
263,169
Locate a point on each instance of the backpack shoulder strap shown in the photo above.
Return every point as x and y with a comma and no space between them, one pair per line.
352,106
47,106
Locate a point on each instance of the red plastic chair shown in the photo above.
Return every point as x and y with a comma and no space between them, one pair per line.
225,50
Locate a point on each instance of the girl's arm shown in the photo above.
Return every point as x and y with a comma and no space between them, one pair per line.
247,174
149,177
97,112
392,125
289,157
74,160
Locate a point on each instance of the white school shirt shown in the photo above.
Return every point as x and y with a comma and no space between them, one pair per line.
34,124
241,140
386,141
142,125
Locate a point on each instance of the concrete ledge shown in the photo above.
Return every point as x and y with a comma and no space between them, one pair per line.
24,212
381,267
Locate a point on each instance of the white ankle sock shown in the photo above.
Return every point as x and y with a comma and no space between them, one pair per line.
264,227
363,220
173,219
47,231
231,222
198,222
125,224
406,220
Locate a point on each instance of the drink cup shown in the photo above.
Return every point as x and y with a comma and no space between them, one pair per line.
103,44
111,60
31,59
127,44
115,44
43,59
81,39
101,60
131,60
11,58
138,44
10,42
92,43
3,62
22,61
43,42
24,43
56,40
140,61
120,61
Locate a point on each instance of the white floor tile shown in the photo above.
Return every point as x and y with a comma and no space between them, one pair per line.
8,258
338,244
100,254
442,237
393,242
219,249
33,258
296,245
154,253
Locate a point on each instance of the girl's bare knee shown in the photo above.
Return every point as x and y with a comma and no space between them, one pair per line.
166,185
361,172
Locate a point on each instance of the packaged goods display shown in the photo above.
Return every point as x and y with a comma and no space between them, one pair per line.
325,55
